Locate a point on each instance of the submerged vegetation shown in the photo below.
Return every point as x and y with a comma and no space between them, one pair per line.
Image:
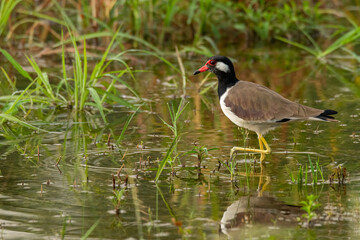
92,87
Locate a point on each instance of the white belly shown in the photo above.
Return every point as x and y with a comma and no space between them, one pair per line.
261,127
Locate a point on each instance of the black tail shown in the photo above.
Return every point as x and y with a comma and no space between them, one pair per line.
326,115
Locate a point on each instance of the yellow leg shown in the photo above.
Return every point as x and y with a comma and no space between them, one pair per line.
262,142
262,156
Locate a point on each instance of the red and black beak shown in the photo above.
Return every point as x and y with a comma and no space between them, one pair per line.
202,69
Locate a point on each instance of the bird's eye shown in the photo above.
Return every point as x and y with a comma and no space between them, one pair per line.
212,62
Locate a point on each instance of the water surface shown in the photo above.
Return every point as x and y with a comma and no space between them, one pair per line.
43,200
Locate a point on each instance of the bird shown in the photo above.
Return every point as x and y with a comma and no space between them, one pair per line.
256,107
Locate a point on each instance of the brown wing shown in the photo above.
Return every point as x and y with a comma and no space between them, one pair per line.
254,102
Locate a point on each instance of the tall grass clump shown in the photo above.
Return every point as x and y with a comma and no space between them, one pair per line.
75,90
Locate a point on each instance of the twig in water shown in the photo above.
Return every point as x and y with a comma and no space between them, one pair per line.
113,181
119,171
57,165
38,152
108,140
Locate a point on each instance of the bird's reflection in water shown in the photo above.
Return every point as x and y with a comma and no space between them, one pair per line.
262,211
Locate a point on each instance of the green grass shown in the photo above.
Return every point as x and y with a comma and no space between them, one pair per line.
6,8
161,23
77,89
175,127
201,152
116,200
343,46
302,177
349,37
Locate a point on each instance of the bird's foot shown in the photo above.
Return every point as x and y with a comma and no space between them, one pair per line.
261,151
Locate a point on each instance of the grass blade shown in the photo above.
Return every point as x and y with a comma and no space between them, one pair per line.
15,64
90,230
120,138
18,121
125,84
313,173
97,100
166,159
299,45
12,84
116,99
42,16
43,77
345,39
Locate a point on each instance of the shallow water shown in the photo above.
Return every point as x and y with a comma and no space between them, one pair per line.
40,200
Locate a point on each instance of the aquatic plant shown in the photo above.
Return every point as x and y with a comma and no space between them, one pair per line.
175,128
116,199
90,230
63,230
309,206
338,172
77,92
315,170
301,177
201,152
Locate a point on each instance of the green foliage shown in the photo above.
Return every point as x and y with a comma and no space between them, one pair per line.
349,37
168,158
6,8
116,199
126,125
309,207
174,117
90,230
268,19
201,152
63,230
162,22
82,89
175,128
302,174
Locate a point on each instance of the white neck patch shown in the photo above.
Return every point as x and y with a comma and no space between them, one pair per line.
222,67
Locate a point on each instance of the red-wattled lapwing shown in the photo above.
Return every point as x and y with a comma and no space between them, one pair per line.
256,107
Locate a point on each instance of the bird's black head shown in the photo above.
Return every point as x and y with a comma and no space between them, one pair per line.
219,65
